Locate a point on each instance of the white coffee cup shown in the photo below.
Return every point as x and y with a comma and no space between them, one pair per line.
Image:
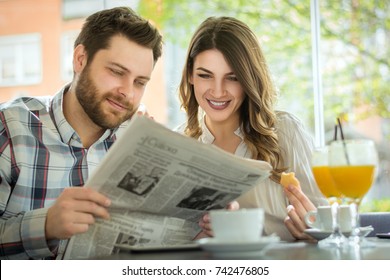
322,218
244,225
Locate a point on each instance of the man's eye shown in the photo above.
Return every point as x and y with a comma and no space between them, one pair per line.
116,72
141,83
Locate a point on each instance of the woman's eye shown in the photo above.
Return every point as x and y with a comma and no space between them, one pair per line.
232,78
204,76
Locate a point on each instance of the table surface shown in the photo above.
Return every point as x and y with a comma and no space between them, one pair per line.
379,250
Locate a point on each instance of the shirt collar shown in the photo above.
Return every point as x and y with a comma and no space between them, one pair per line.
66,131
208,138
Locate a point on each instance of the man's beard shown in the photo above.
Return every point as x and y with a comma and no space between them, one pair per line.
92,102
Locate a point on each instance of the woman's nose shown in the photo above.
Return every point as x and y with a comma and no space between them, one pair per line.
218,89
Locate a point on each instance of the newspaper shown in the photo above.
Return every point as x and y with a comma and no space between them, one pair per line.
161,183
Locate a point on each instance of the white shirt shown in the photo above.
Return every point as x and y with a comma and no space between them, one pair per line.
296,146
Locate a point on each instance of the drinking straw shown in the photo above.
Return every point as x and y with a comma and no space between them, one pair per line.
341,129
342,139
335,133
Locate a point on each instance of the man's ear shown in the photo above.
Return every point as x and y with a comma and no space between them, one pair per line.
79,58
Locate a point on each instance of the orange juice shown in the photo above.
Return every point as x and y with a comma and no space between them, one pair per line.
325,181
353,181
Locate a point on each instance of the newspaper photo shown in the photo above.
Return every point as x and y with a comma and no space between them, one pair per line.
161,183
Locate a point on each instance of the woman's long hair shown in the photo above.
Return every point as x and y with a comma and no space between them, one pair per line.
242,51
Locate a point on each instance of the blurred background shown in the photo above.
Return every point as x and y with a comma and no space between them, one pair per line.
329,59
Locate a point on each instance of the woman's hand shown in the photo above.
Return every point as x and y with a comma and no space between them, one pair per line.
142,111
205,224
300,204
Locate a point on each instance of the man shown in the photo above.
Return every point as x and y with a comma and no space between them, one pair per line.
50,143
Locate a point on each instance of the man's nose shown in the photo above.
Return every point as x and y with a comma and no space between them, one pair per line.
127,89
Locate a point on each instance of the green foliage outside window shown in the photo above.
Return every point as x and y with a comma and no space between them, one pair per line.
376,205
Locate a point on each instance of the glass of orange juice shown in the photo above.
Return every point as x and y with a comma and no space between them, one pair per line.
352,166
324,180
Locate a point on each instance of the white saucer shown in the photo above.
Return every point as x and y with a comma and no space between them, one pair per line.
218,247
319,234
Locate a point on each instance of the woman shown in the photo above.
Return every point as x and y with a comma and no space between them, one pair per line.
229,99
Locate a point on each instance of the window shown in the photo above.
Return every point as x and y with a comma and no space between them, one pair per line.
354,61
20,60
356,74
288,57
67,42
72,9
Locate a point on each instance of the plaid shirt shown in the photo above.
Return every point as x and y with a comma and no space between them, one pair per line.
40,155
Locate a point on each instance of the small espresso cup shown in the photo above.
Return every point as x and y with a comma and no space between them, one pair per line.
244,225
322,218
